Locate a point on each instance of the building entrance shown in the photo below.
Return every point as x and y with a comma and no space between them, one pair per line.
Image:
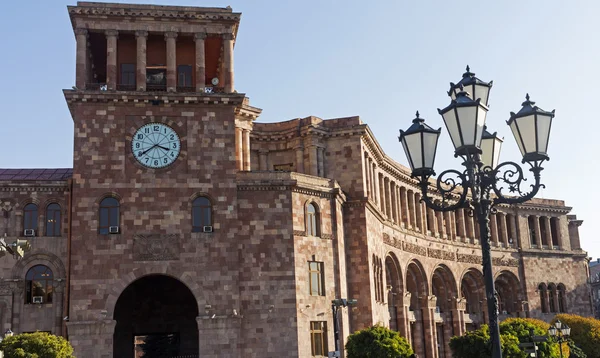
156,317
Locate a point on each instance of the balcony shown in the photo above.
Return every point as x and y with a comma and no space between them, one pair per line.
153,87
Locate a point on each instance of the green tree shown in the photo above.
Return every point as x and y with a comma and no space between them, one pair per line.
36,345
377,342
522,328
585,332
476,344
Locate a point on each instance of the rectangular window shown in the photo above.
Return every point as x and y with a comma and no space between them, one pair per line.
316,278
184,76
318,338
128,74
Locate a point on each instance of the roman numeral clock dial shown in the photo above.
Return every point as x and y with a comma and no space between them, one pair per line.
155,145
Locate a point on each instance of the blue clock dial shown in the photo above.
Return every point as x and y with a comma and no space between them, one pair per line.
155,145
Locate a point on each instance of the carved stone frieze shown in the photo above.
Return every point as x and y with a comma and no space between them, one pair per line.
299,233
5,289
156,247
392,241
441,254
470,259
498,261
414,248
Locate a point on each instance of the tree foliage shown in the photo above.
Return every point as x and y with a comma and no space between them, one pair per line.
377,342
522,328
36,345
585,332
476,344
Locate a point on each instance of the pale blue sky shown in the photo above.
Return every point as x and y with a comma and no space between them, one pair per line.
381,60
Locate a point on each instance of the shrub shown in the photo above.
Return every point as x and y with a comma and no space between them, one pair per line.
36,345
377,342
522,329
585,332
476,344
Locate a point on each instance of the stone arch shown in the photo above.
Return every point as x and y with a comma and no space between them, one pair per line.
507,287
542,289
472,289
444,287
40,257
109,194
394,290
125,280
416,282
157,310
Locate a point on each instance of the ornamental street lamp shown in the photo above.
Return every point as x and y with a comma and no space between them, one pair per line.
16,249
335,307
479,186
561,332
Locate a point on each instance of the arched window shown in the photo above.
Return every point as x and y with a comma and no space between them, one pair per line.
30,218
312,220
201,214
552,297
109,216
543,297
53,220
562,299
39,285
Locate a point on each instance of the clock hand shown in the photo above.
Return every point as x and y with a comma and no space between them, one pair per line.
161,147
149,149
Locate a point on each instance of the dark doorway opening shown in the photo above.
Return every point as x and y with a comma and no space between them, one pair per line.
156,317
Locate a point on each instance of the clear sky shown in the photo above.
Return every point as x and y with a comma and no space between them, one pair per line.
381,60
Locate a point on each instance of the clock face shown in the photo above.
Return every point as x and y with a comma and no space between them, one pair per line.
155,145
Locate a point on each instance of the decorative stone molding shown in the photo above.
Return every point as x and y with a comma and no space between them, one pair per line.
81,31
498,261
470,259
111,33
326,236
199,35
141,33
441,254
299,233
6,289
413,248
227,36
170,35
155,247
171,13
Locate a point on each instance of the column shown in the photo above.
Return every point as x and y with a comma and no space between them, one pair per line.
321,161
470,228
441,228
404,207
397,201
386,197
262,159
546,221
140,67
376,180
239,157
460,227
200,61
449,218
428,305
246,149
458,318
81,64
412,210
431,219
111,59
171,38
313,160
503,229
494,230
538,233
300,159
228,62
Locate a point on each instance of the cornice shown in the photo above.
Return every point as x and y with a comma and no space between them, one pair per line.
33,187
247,112
157,12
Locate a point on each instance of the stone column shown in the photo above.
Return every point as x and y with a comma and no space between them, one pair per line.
397,201
313,160
538,233
111,59
428,305
262,160
458,316
228,62
440,223
494,230
412,218
171,38
503,229
548,229
321,161
246,149
81,64
460,228
431,219
200,61
300,159
386,197
470,228
404,320
239,156
404,207
450,225
376,180
140,68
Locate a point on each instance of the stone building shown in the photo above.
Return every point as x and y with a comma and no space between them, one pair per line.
184,224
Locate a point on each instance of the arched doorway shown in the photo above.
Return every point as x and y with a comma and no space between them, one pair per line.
416,285
443,287
156,317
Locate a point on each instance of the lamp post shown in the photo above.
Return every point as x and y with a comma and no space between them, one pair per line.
561,332
16,249
335,307
479,186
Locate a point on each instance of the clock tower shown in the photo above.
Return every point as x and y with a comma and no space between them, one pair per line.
160,134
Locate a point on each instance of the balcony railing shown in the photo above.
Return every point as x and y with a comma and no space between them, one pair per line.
152,87
96,86
126,87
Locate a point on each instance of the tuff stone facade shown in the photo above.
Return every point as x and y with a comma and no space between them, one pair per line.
243,290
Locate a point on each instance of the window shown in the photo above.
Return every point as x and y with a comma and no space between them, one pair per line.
109,216
562,303
128,74
552,297
184,76
318,339
53,220
316,278
39,285
30,217
543,297
312,220
201,214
